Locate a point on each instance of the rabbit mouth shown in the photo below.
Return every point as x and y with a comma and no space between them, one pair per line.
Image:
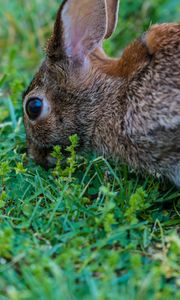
41,153
51,161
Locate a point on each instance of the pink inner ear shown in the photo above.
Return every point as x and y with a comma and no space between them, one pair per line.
84,25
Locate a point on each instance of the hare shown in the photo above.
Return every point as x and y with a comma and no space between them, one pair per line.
126,108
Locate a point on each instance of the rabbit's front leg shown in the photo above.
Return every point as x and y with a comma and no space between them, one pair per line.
174,175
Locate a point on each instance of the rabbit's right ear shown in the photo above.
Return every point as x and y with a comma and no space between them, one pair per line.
112,16
80,28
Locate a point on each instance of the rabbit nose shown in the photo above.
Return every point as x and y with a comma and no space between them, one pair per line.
34,108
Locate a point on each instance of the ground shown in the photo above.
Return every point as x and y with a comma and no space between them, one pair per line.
88,229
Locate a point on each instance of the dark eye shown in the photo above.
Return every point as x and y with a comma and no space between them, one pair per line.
34,108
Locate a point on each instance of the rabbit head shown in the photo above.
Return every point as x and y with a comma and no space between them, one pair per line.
64,95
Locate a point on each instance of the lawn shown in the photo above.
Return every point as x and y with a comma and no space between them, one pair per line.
89,229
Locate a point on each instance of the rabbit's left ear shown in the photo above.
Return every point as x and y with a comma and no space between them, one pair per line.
112,16
80,28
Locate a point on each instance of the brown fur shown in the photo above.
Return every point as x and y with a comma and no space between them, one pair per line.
127,108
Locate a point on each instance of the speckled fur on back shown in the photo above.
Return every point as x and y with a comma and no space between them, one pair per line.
126,108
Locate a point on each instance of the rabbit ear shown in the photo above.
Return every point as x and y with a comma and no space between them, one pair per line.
112,14
80,27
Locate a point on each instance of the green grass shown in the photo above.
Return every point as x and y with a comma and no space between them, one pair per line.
89,229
